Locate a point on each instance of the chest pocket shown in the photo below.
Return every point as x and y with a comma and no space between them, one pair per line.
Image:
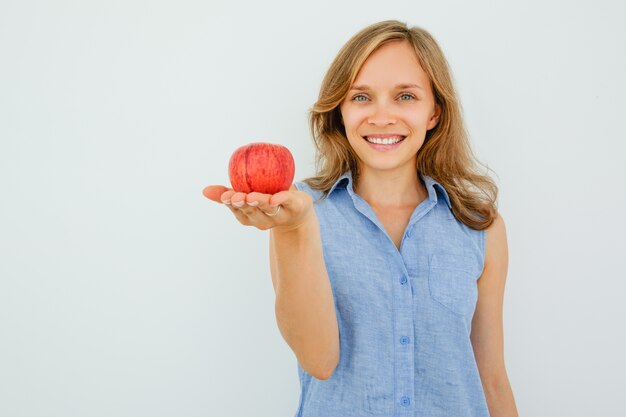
452,282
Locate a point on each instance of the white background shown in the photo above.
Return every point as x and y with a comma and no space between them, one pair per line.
124,292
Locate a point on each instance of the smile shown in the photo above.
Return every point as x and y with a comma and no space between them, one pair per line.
384,144
385,141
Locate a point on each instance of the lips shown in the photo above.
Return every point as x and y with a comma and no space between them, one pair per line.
384,135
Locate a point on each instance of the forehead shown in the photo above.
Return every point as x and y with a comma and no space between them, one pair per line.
392,63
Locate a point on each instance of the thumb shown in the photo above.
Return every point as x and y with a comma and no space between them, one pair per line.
282,198
289,199
213,192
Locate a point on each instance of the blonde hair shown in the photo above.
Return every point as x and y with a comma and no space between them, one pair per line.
445,156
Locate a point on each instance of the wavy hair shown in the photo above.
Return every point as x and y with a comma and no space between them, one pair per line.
445,156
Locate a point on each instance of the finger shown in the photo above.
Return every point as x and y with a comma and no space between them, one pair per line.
251,216
255,199
213,192
238,199
240,215
254,203
226,196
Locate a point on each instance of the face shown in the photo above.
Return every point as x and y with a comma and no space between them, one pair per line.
390,99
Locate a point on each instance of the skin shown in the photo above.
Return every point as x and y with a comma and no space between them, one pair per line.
390,184
487,328
389,179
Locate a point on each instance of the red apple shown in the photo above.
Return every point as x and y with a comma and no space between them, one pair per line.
263,167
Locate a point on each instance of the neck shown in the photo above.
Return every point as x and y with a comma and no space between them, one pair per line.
392,189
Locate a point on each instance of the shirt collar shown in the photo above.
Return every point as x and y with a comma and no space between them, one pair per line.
342,182
431,186
345,181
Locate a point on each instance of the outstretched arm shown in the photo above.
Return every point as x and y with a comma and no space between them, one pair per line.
305,308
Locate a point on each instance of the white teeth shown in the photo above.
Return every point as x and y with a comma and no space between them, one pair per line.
384,141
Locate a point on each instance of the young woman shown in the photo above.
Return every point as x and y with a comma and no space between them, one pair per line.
389,265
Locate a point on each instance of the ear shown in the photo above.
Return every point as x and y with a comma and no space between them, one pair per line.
435,117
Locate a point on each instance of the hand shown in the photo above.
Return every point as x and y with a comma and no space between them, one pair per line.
252,209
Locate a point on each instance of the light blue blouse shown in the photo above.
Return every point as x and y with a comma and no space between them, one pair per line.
404,316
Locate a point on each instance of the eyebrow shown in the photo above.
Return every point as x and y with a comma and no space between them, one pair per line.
399,86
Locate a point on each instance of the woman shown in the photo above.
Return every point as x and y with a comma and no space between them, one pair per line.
389,266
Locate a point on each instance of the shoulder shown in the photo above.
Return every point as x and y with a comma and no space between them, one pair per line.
496,246
496,232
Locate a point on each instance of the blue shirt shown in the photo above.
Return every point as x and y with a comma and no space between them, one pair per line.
404,316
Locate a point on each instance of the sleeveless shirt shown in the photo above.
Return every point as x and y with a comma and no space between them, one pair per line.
404,316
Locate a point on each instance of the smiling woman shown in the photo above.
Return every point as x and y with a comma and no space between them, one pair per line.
418,313
389,265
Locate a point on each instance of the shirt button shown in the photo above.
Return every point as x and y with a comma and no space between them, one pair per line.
403,280
409,233
404,340
405,401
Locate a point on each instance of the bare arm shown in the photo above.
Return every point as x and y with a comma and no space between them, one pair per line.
487,333
305,308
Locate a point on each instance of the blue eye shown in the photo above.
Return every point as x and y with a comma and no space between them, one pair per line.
361,95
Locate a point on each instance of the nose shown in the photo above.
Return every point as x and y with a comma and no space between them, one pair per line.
381,116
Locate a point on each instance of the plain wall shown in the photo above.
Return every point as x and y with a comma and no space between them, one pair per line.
125,292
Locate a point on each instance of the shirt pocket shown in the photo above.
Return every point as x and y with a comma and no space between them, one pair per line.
452,282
